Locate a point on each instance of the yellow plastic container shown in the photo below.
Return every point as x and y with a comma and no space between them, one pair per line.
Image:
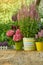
39,46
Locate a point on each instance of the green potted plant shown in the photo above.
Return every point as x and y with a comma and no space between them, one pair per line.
9,35
18,40
39,41
29,27
15,38
10,30
28,20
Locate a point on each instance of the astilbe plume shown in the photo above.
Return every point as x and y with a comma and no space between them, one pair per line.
23,12
33,12
30,11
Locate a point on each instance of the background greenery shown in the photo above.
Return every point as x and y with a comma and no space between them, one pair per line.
3,29
41,8
7,9
10,7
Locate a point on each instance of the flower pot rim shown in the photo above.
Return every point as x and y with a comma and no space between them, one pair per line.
39,42
28,38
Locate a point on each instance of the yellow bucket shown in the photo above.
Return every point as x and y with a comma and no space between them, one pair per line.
39,46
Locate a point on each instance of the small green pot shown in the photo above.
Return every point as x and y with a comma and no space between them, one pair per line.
19,45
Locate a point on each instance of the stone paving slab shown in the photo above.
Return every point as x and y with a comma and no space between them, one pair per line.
12,57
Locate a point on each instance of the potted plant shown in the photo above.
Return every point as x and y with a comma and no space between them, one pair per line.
9,35
39,41
18,40
14,38
29,27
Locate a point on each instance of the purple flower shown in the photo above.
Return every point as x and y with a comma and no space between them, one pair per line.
17,27
1,43
13,27
36,36
42,32
14,17
39,34
5,43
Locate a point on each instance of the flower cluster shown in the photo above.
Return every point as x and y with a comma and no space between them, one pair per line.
33,13
23,12
18,35
10,33
39,35
5,43
30,11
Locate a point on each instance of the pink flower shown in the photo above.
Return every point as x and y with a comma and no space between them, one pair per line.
18,31
36,36
23,12
42,32
39,34
18,36
33,13
10,33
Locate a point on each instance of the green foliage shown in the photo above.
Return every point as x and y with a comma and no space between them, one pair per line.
10,41
39,39
8,8
3,37
29,27
3,29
